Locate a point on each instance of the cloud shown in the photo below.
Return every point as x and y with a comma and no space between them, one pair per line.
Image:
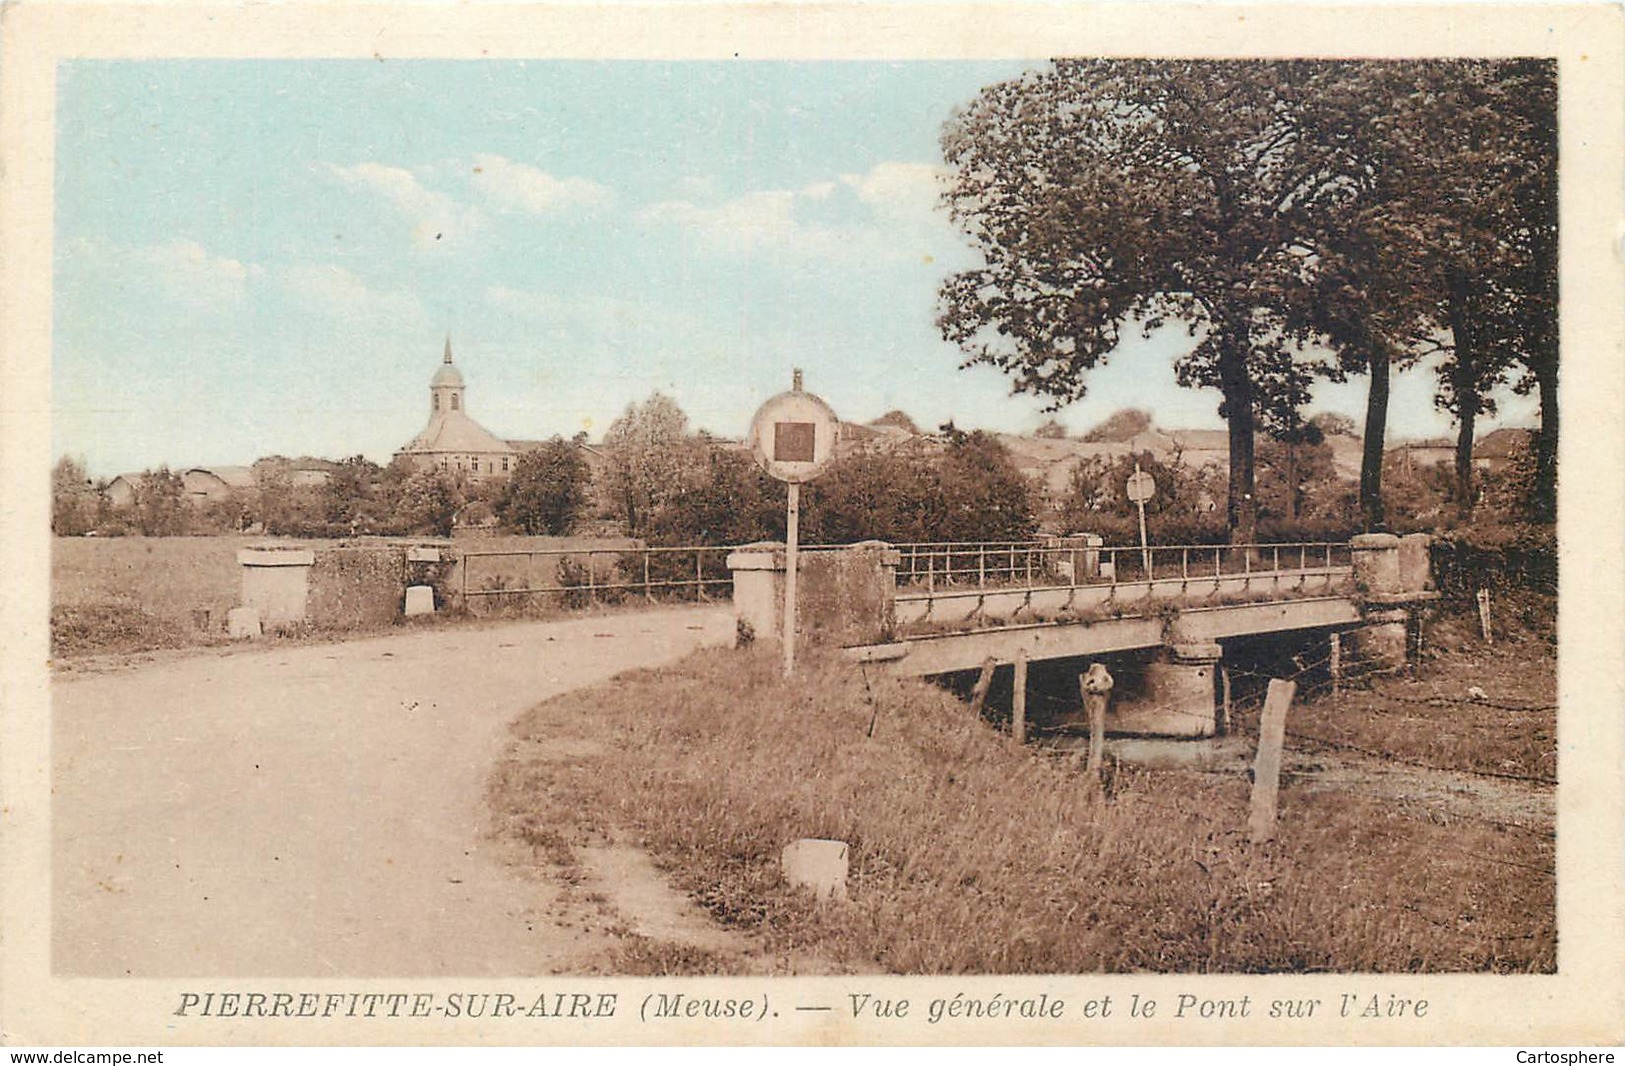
755,219
887,213
191,275
899,190
436,218
511,186
335,292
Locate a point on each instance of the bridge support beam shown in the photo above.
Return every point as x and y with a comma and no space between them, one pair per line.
1180,698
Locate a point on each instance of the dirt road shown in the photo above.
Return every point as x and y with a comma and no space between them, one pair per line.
318,810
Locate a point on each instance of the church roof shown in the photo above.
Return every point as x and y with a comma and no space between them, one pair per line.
454,431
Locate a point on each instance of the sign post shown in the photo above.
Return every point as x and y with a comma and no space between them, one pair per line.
792,564
1141,487
793,437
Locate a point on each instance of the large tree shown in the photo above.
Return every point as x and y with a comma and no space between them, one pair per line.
1106,194
650,452
1363,292
73,498
547,490
1475,144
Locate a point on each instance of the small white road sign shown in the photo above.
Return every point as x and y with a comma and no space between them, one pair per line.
1140,486
793,436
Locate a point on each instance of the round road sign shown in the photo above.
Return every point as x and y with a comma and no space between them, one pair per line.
793,436
1140,487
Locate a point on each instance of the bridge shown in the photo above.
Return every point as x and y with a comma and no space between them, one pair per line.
933,609
1163,614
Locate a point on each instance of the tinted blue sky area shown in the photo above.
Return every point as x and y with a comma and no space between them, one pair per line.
258,257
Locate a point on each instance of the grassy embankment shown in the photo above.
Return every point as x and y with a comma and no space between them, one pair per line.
117,595
970,854
1506,729
124,595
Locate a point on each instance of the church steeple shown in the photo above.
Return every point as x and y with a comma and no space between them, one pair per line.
446,387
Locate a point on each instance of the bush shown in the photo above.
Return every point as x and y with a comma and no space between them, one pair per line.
355,587
1521,556
969,491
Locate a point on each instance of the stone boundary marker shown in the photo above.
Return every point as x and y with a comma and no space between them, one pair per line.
820,865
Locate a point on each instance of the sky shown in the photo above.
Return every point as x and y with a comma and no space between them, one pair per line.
260,257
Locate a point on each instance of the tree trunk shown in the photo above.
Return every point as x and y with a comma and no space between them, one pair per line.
1292,481
1545,501
1376,430
1241,506
1464,383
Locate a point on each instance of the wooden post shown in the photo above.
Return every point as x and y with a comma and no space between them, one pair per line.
1018,706
1096,704
1097,730
1337,663
1484,615
1267,766
979,695
1224,698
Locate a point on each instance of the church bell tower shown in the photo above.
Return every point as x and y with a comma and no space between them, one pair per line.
446,387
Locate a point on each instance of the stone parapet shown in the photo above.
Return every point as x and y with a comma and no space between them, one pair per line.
845,596
275,582
1376,563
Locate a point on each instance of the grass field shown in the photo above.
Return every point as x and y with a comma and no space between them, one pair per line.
125,594
117,595
973,855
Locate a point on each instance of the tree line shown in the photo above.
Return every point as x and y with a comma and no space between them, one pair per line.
1302,220
655,479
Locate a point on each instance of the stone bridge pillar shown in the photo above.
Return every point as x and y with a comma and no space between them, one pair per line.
1393,578
1180,698
844,596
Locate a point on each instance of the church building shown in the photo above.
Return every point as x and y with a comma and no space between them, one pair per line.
453,441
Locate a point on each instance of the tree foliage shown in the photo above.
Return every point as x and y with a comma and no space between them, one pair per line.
1102,194
1183,509
649,450
892,496
726,499
1383,210
1121,425
73,499
347,498
985,495
427,504
547,489
969,489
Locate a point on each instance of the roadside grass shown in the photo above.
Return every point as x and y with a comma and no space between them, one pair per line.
970,854
127,594
120,596
1436,720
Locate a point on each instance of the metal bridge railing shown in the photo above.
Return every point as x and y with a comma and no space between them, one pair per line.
592,576
929,567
